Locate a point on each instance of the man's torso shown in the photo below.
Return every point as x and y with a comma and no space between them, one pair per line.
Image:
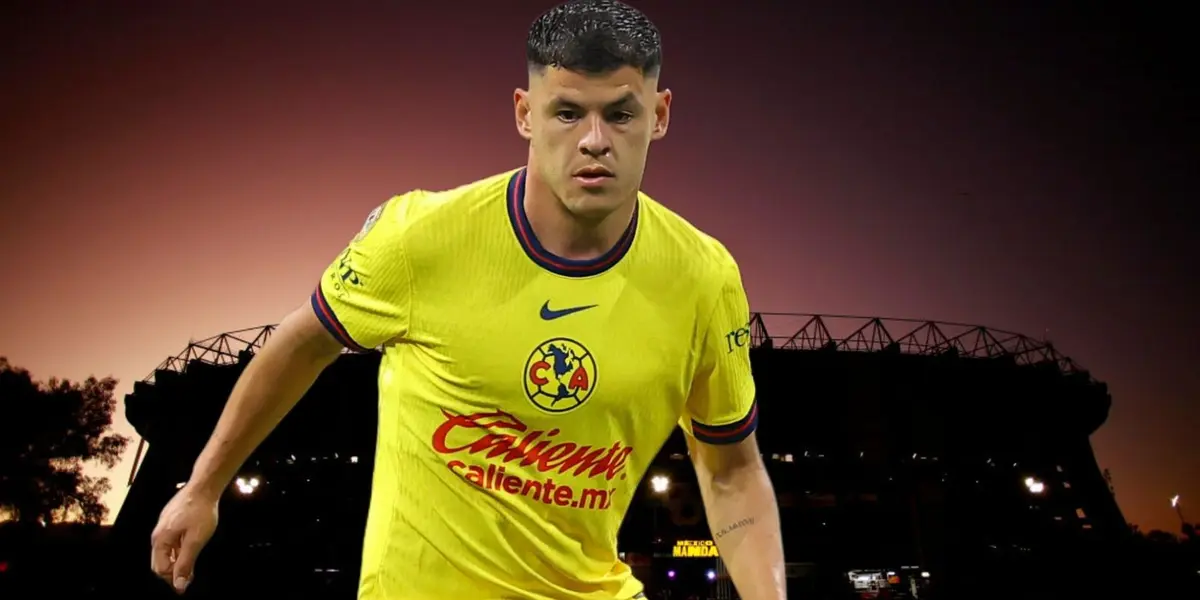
526,398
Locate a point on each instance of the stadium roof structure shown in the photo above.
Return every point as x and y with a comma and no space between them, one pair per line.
804,332
811,332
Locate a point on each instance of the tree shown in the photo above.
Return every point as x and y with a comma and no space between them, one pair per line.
48,431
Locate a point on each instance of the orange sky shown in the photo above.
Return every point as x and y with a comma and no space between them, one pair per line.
170,176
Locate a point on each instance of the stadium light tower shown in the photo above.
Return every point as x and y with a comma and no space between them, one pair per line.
659,484
1178,506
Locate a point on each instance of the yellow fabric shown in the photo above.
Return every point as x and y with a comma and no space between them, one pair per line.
512,430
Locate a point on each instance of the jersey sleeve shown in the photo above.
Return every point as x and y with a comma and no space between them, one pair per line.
365,295
721,407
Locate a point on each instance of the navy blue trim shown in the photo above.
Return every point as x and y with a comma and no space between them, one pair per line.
327,318
731,433
546,259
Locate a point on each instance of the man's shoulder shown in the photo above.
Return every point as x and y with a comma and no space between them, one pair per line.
685,240
420,209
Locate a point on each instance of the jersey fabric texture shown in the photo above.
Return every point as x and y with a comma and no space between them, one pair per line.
522,396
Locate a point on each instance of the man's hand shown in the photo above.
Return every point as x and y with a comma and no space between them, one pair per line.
184,527
268,388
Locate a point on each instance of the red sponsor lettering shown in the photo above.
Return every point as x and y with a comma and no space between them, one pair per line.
547,491
503,439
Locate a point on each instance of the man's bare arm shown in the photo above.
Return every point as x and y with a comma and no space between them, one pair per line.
743,515
274,381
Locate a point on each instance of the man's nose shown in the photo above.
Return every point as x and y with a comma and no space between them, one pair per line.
595,141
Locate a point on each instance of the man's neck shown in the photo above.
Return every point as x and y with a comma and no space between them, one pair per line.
568,235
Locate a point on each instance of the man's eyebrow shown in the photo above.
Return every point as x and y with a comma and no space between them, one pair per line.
626,98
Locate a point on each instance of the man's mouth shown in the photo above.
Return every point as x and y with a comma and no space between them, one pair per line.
594,172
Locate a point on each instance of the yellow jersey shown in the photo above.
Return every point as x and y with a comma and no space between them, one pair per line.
522,396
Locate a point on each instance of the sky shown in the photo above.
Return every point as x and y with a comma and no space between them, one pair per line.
171,171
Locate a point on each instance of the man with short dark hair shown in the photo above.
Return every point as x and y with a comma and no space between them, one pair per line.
543,331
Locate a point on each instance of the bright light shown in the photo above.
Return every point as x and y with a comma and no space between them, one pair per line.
1175,501
925,574
246,486
670,574
660,483
711,574
1035,486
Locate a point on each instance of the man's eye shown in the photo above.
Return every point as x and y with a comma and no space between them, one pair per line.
567,116
621,117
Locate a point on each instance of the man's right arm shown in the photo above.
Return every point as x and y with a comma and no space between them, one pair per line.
361,302
273,382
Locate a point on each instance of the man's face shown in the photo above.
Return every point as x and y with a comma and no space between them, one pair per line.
590,134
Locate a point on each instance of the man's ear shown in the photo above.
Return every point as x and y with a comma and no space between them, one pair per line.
521,111
662,115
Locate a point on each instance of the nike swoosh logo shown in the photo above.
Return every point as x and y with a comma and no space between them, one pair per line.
549,314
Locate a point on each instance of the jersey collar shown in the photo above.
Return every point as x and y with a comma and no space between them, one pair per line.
556,264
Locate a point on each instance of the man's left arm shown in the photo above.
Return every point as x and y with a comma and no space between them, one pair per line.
720,423
743,516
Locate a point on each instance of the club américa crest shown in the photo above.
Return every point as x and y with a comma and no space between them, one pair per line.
560,375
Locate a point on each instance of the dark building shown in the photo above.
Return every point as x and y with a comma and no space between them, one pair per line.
948,460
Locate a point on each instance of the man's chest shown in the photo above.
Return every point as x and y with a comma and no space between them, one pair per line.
603,347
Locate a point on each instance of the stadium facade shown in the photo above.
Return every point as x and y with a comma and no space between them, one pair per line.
921,458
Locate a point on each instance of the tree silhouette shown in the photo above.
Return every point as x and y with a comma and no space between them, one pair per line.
47,432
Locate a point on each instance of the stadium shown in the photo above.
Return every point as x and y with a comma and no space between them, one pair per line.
910,458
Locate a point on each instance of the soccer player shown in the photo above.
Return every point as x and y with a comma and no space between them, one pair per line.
543,331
